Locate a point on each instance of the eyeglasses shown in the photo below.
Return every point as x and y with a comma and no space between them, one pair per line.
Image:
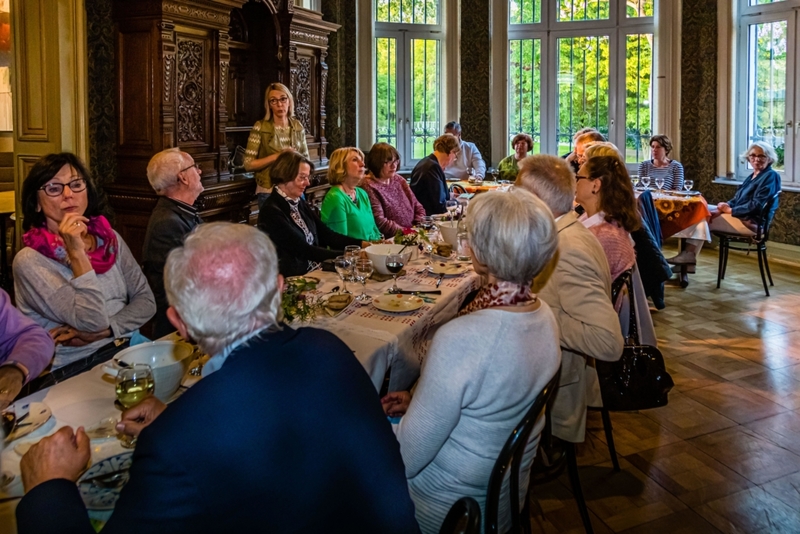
54,189
195,165
578,178
391,161
276,101
756,156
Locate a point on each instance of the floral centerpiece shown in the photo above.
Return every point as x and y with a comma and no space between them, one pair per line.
411,236
296,303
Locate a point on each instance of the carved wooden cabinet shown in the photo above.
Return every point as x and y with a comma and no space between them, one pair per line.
192,74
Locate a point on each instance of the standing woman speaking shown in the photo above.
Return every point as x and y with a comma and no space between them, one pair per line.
278,131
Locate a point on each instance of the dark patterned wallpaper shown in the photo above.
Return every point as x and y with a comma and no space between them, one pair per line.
340,103
476,49
102,120
699,118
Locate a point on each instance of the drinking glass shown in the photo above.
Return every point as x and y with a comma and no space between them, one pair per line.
134,384
344,268
363,271
660,183
635,180
688,184
394,264
645,182
352,253
451,206
463,253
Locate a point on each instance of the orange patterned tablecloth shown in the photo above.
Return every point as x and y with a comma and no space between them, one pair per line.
679,212
478,188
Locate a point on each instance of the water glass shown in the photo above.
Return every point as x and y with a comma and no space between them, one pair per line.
660,183
463,253
688,184
363,271
645,182
635,181
451,206
352,253
344,268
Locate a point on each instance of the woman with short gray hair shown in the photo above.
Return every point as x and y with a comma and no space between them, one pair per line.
742,214
485,368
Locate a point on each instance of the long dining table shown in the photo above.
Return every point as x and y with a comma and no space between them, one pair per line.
379,340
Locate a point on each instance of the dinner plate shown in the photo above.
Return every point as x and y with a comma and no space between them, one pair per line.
448,269
95,497
307,279
38,414
398,303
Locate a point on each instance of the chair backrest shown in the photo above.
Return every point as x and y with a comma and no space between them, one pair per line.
464,517
767,214
620,282
457,189
511,458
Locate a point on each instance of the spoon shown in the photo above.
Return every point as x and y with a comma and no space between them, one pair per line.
109,480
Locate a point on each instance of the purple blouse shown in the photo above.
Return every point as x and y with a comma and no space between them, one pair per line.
394,205
23,342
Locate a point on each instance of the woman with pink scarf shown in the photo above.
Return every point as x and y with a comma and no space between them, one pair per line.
76,277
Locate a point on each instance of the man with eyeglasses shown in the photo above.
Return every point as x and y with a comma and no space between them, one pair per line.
175,177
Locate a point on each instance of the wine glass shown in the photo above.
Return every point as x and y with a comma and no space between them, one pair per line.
394,264
363,271
634,181
451,206
645,182
133,384
352,253
344,268
660,183
688,184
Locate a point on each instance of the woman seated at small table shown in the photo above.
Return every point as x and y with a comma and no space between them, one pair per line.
484,368
76,277
742,214
427,179
605,191
346,208
508,166
302,239
660,166
394,205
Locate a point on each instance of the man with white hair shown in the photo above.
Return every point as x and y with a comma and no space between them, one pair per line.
577,286
469,157
175,178
284,433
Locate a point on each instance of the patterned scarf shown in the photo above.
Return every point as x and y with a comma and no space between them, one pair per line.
51,245
294,211
500,294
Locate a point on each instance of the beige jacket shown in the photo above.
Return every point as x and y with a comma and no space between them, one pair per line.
577,286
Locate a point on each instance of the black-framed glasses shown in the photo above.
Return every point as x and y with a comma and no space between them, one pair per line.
578,178
276,101
54,189
195,165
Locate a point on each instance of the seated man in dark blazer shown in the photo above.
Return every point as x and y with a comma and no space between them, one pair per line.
175,178
284,433
427,179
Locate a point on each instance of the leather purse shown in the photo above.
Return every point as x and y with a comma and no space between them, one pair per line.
639,379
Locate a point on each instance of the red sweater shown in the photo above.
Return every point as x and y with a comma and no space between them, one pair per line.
394,205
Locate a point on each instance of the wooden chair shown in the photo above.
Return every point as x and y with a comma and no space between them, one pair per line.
511,459
745,243
464,517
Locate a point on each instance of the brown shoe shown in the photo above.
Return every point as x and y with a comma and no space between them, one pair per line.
684,258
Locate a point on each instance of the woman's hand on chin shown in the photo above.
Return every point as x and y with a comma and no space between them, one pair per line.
72,229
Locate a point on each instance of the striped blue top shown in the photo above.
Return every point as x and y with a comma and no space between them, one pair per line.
672,174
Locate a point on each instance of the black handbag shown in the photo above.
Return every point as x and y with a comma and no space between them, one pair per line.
639,379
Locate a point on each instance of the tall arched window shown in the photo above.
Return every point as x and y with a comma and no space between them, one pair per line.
581,63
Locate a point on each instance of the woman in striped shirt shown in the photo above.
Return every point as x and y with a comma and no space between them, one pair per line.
661,166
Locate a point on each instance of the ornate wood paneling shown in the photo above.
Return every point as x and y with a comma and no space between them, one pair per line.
33,72
191,91
136,104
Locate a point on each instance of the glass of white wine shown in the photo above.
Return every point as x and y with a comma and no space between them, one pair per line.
688,184
134,384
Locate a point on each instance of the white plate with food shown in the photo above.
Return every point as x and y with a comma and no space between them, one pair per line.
398,303
336,303
28,419
448,269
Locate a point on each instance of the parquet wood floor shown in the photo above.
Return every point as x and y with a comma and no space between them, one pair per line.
724,454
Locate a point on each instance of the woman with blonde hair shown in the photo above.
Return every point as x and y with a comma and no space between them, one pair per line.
277,132
346,208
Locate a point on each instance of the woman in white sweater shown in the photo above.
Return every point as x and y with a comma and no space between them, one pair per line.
485,368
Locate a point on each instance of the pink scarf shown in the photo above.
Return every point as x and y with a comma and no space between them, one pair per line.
500,294
51,245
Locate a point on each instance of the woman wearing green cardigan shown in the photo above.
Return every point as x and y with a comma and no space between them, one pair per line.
346,208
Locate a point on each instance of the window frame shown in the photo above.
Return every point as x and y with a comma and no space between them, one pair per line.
617,27
744,17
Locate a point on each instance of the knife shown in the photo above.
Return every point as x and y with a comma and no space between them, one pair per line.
405,292
439,281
